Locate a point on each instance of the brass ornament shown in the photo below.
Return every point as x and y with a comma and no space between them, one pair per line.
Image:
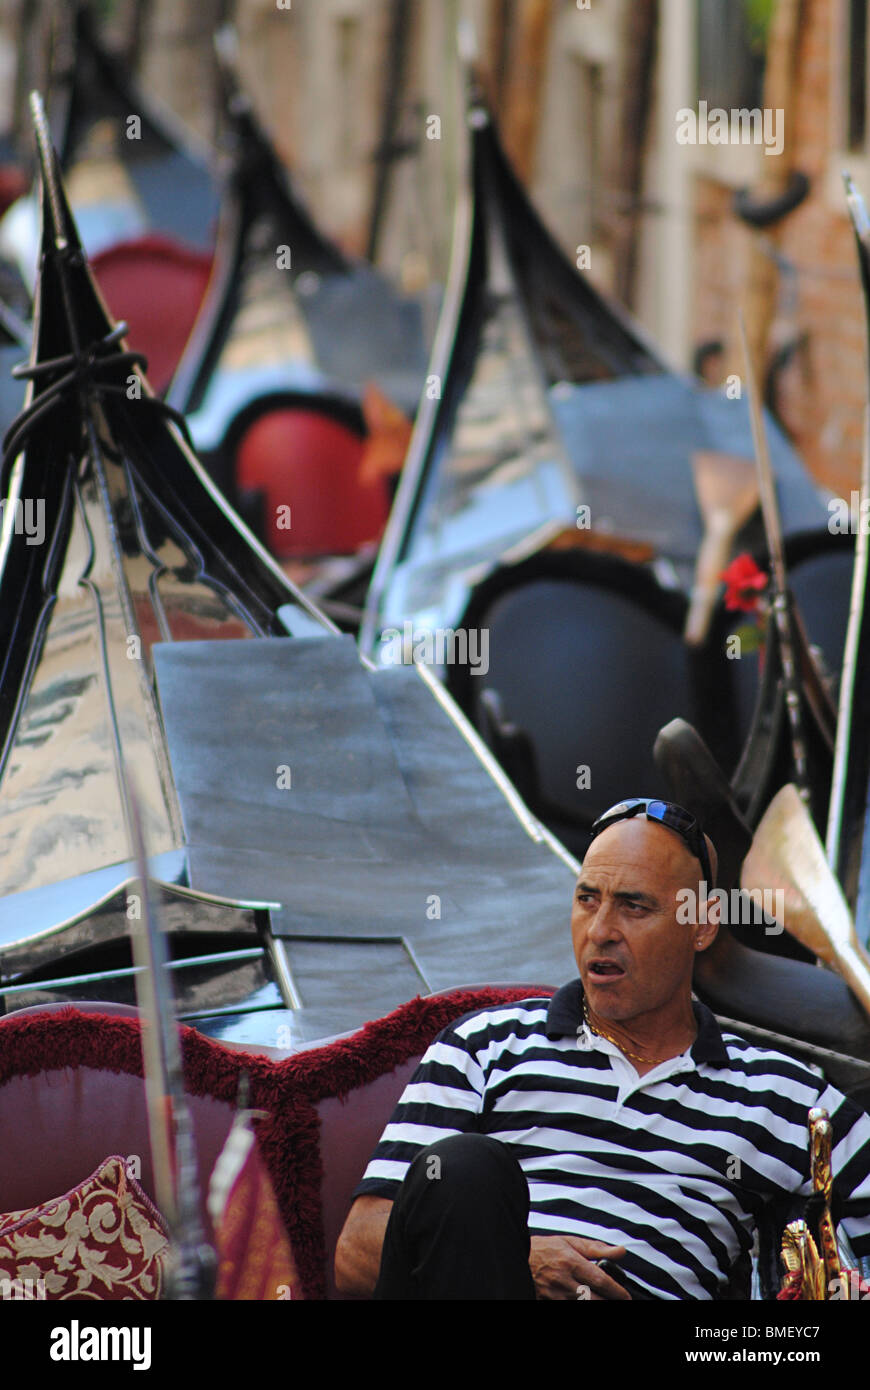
802,1262
821,1137
819,1276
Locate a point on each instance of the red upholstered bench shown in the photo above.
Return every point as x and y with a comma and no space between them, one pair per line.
71,1094
156,286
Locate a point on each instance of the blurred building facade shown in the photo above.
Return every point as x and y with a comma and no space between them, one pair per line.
818,331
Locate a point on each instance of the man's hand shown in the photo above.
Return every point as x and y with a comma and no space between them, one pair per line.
358,1253
560,1264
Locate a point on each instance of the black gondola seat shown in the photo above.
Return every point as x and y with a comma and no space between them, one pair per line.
585,663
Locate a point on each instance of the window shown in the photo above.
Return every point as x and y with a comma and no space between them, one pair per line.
731,43
856,76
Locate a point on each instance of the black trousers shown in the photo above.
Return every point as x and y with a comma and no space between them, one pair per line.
459,1226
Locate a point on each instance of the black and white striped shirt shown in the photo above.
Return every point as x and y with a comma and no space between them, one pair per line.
675,1165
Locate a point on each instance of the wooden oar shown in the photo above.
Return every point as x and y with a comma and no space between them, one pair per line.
782,604
727,490
787,854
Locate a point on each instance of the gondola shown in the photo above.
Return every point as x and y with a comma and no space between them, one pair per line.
180,252
326,837
548,500
139,545
149,195
171,173
575,373
285,405
381,335
284,410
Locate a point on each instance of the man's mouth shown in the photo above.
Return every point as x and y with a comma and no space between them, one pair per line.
605,969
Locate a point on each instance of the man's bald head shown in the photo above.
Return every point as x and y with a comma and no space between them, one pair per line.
656,846
634,945
675,819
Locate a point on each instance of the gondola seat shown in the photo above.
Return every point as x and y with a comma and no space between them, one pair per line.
585,662
156,286
71,1094
307,463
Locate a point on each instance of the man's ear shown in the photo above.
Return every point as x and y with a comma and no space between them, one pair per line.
710,919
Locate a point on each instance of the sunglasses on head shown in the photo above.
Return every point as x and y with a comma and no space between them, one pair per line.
667,813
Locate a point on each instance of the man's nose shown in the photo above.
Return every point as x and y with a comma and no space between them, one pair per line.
605,926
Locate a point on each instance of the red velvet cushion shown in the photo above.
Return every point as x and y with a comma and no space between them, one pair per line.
104,1239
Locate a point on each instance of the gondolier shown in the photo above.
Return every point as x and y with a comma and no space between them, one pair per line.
615,1121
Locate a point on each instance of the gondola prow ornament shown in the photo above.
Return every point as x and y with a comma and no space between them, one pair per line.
821,1139
813,1272
804,1277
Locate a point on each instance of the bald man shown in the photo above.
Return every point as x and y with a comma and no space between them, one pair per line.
610,1143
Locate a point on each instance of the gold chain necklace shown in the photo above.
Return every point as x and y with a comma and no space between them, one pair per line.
635,1056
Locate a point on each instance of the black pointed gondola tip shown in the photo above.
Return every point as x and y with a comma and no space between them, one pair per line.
48,168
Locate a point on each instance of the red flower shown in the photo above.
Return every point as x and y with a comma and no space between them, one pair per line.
744,582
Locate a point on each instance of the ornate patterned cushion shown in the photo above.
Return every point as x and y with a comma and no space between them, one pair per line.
104,1239
11,1218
